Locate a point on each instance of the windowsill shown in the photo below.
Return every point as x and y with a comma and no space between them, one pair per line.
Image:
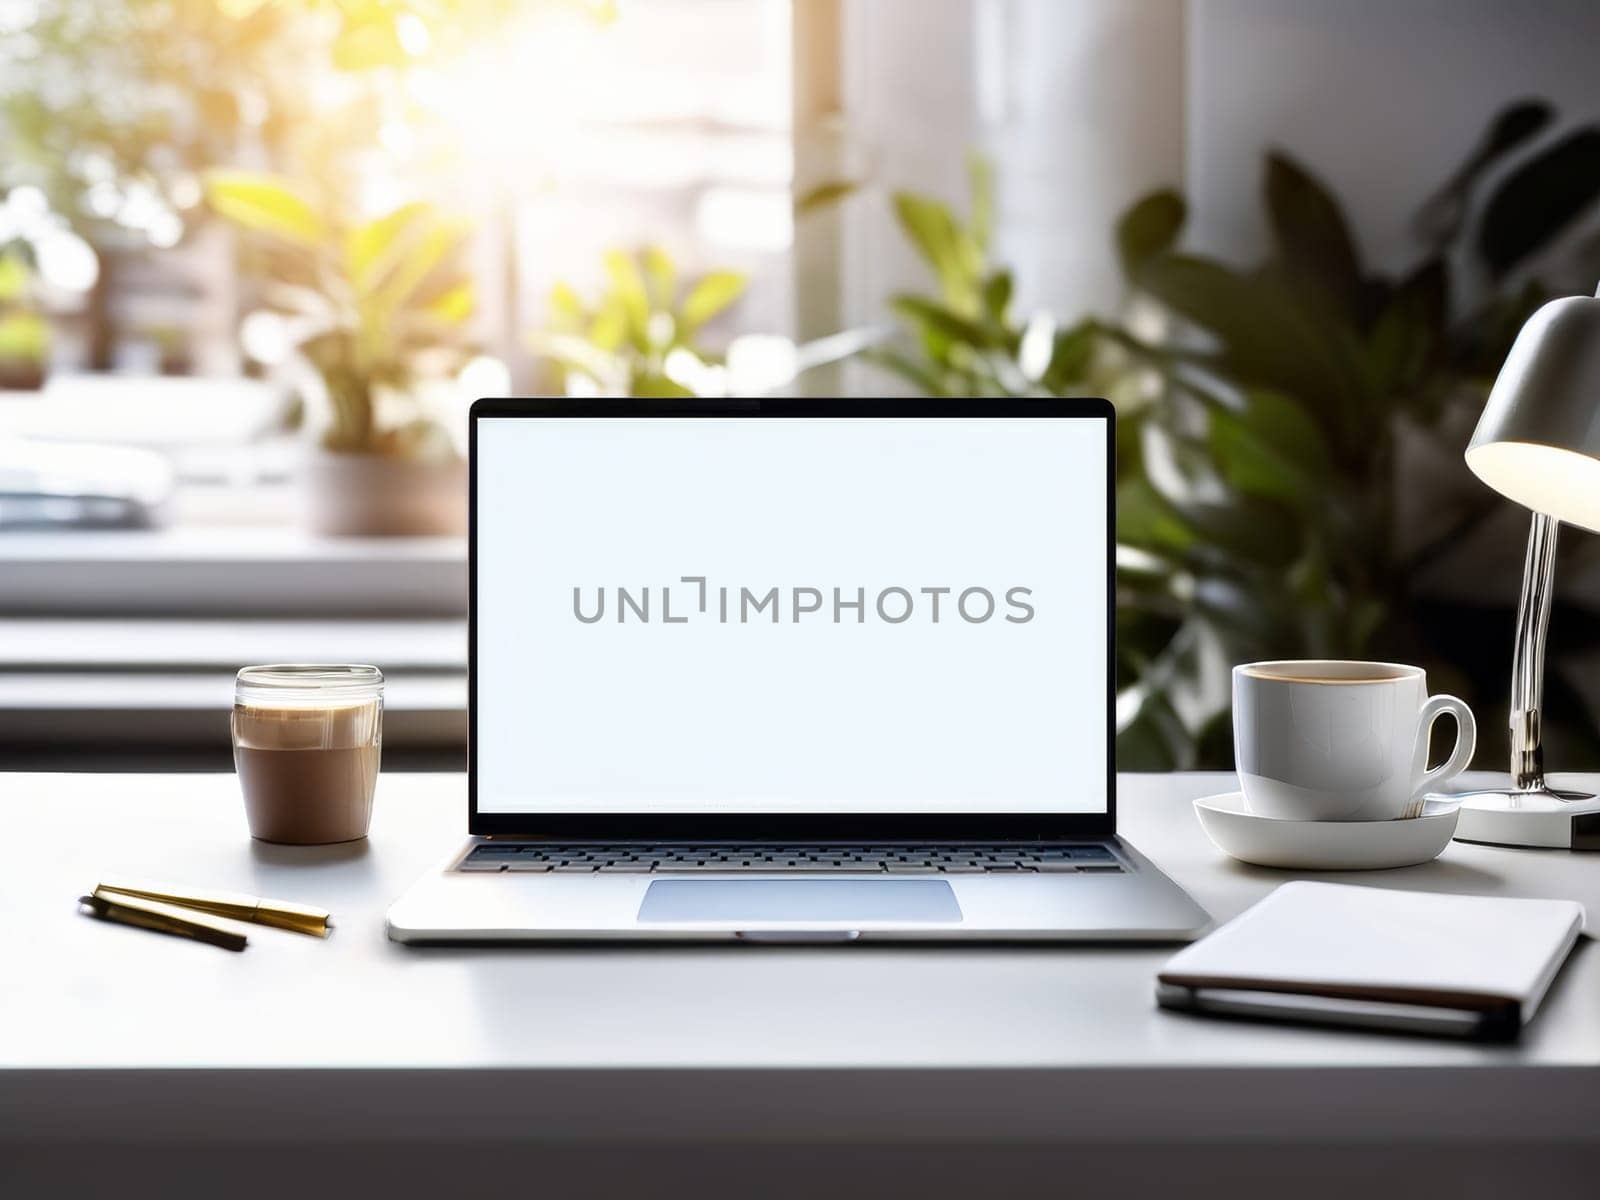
223,570
118,650
102,694
181,644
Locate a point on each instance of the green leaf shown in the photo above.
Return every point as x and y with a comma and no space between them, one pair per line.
1069,363
264,204
1240,610
1271,449
1213,744
824,195
633,302
930,316
997,295
1184,472
1265,338
579,354
710,296
1155,740
1313,241
1146,520
1512,126
1439,218
980,171
662,275
24,337
1540,199
911,370
931,228
14,278
454,305
421,274
1146,624
1409,330
609,329
372,250
658,387
1247,530
1148,228
367,39
954,253
565,305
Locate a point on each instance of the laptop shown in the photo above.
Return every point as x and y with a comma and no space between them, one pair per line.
792,671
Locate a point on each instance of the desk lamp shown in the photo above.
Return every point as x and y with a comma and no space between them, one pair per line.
1538,443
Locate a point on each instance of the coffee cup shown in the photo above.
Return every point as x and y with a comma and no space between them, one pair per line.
1325,740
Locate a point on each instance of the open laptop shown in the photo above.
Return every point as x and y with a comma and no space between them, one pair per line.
792,670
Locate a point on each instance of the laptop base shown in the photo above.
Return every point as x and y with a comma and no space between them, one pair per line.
1136,903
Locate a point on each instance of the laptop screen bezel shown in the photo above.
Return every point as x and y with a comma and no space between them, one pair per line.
794,827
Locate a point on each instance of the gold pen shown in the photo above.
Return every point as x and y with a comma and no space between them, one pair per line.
162,918
281,914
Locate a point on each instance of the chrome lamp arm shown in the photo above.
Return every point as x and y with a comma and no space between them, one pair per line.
1527,663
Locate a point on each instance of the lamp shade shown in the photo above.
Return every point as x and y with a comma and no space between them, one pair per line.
1538,441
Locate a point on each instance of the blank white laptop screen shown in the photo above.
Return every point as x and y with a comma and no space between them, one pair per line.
791,615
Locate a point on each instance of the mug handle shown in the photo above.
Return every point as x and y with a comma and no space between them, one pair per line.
1466,743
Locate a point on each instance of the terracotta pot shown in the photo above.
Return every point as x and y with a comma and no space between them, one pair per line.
368,495
21,375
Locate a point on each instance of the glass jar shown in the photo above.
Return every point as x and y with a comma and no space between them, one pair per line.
307,739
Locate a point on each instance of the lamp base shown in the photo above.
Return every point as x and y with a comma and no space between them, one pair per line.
1550,818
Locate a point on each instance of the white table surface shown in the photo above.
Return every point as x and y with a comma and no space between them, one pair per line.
846,1041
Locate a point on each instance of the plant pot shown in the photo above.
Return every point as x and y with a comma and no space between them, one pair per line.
370,495
23,375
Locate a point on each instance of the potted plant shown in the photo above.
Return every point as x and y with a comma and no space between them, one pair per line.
24,333
377,309
1289,431
641,335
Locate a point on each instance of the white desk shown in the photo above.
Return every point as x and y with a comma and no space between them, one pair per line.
116,1046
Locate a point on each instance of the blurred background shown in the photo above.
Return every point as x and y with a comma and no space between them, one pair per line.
258,256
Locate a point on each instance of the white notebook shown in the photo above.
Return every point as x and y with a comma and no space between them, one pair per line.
1342,954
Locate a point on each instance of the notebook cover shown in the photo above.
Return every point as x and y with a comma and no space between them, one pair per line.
1362,952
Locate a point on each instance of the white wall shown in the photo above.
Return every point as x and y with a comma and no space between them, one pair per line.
1382,98
1079,104
1086,104
1083,113
909,108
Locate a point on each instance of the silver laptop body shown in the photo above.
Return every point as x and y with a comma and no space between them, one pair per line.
792,671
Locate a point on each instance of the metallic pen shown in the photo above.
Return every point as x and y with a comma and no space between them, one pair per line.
162,918
282,914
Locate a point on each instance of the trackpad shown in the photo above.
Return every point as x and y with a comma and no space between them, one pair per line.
800,901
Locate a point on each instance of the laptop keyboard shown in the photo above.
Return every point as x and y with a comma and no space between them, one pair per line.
666,859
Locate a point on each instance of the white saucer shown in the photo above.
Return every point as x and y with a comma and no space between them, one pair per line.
1325,845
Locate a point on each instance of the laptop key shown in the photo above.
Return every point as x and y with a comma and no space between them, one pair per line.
520,865
787,868
690,868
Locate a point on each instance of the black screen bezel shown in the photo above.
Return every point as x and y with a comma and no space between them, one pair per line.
803,827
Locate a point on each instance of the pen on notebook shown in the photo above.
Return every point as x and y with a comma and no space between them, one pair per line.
281,914
162,918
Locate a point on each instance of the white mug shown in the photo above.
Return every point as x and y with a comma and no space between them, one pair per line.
1323,740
